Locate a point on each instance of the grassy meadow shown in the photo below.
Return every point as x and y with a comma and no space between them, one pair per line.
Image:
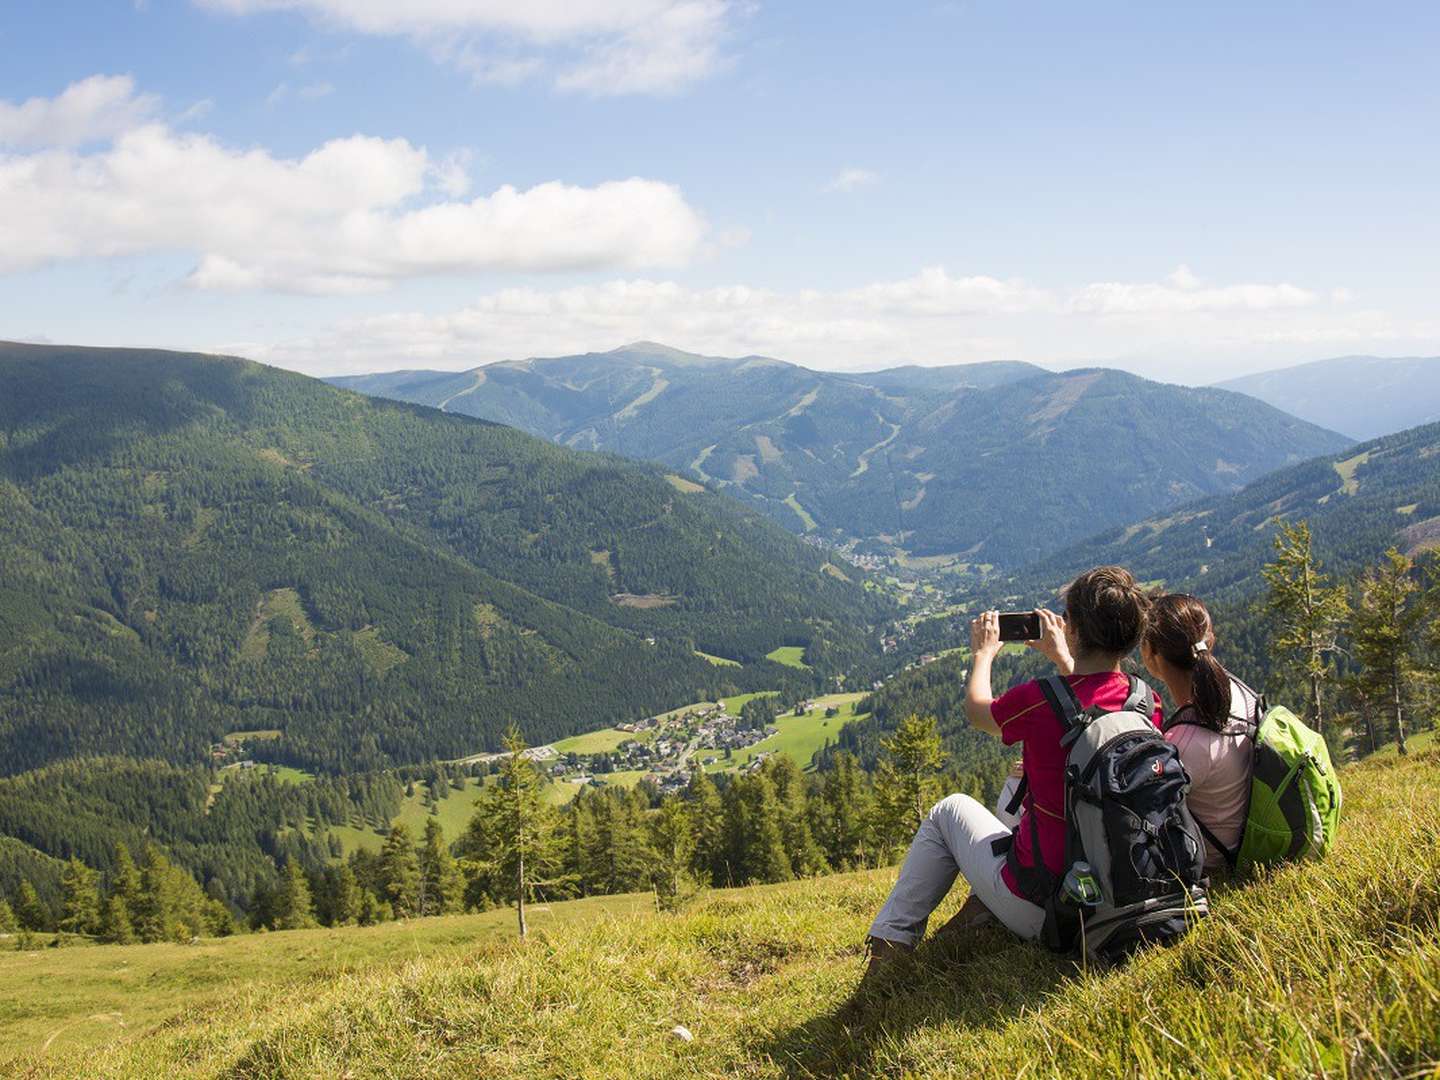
790,656
1320,969
55,1002
799,736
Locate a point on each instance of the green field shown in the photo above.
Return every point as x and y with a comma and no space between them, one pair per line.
718,661
600,742
285,773
453,813
283,603
733,705
57,1000
1317,969
799,736
790,656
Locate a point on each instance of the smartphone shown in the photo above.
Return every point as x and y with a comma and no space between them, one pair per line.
1019,626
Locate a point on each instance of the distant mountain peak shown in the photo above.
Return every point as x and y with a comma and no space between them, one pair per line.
1363,396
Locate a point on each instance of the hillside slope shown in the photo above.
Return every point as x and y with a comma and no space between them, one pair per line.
1318,969
1363,396
194,545
997,463
1358,503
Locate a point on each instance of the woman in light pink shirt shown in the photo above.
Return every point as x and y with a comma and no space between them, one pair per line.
1212,723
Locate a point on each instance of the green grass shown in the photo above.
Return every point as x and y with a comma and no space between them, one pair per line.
1347,469
734,704
453,813
719,661
287,774
379,654
54,1001
800,511
799,736
790,656
259,733
282,602
1320,969
599,742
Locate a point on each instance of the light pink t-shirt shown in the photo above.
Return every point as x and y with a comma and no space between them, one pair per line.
1218,763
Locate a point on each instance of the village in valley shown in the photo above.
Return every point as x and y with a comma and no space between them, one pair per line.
732,735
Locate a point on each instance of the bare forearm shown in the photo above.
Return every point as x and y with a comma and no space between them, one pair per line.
979,697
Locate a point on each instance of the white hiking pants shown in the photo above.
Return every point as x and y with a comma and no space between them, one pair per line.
956,837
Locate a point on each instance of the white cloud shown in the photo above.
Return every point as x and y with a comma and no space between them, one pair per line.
311,91
930,317
934,292
595,46
852,180
1184,292
677,46
353,215
91,110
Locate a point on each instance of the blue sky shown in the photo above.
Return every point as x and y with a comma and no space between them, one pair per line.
1189,191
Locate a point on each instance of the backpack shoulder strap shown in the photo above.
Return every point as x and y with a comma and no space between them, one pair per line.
1063,702
1141,698
1021,790
1231,857
1261,707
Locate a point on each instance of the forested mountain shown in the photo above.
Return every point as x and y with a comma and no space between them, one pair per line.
992,463
194,545
1358,503
1363,396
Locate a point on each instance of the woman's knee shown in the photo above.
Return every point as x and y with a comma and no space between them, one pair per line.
953,807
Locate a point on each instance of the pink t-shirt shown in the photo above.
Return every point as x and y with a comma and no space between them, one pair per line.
1025,717
1218,764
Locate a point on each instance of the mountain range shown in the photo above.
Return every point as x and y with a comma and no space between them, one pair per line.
1358,503
991,464
192,546
1363,396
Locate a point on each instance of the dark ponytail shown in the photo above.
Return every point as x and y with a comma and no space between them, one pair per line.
1180,630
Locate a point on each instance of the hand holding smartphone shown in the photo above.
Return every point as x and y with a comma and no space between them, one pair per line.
1019,626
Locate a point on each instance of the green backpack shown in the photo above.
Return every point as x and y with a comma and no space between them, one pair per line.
1294,793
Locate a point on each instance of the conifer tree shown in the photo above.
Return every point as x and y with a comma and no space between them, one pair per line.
30,911
907,788
369,910
801,847
125,877
754,842
1384,636
707,818
617,858
1309,612
847,813
115,923
578,828
7,917
513,834
400,873
344,897
440,883
672,839
294,908
82,899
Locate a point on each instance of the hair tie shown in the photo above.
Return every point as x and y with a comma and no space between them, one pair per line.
1198,648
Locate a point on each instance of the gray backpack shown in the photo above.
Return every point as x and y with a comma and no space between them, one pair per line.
1134,858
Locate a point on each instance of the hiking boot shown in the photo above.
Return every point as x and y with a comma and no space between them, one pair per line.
889,961
972,915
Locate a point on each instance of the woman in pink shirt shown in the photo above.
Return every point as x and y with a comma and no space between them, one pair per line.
1104,621
1213,722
